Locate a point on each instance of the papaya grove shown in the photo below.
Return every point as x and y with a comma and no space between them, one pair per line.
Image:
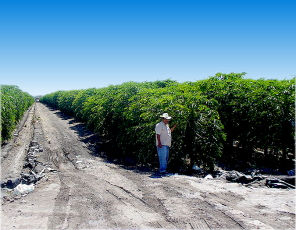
242,123
14,102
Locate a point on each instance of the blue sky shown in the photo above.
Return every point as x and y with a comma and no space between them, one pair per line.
50,45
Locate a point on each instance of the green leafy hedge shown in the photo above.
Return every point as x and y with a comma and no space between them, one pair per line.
240,122
14,102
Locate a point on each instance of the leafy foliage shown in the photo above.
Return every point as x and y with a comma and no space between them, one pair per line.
256,115
14,103
211,115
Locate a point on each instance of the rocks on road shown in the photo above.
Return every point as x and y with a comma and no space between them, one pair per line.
78,189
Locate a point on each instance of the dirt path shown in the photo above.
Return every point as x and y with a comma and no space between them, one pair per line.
87,192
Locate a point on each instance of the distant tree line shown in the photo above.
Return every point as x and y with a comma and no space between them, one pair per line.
242,123
14,102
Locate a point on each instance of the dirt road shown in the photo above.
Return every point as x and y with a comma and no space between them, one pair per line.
87,192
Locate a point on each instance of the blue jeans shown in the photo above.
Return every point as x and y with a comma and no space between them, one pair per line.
163,156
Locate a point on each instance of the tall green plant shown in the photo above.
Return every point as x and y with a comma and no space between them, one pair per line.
14,102
256,114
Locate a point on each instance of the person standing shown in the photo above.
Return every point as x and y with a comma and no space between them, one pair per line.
163,141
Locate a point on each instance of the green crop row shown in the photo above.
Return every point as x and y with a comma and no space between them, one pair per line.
14,102
226,118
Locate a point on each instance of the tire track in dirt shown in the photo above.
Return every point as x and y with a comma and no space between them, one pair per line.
125,206
60,211
173,200
13,154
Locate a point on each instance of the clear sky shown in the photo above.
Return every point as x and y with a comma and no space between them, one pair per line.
50,45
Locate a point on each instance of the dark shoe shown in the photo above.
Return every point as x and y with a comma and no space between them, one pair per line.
166,174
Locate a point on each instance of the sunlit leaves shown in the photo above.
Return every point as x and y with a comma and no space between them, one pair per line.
14,102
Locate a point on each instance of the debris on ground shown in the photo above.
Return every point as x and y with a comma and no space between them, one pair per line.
22,189
33,172
255,178
277,183
291,172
